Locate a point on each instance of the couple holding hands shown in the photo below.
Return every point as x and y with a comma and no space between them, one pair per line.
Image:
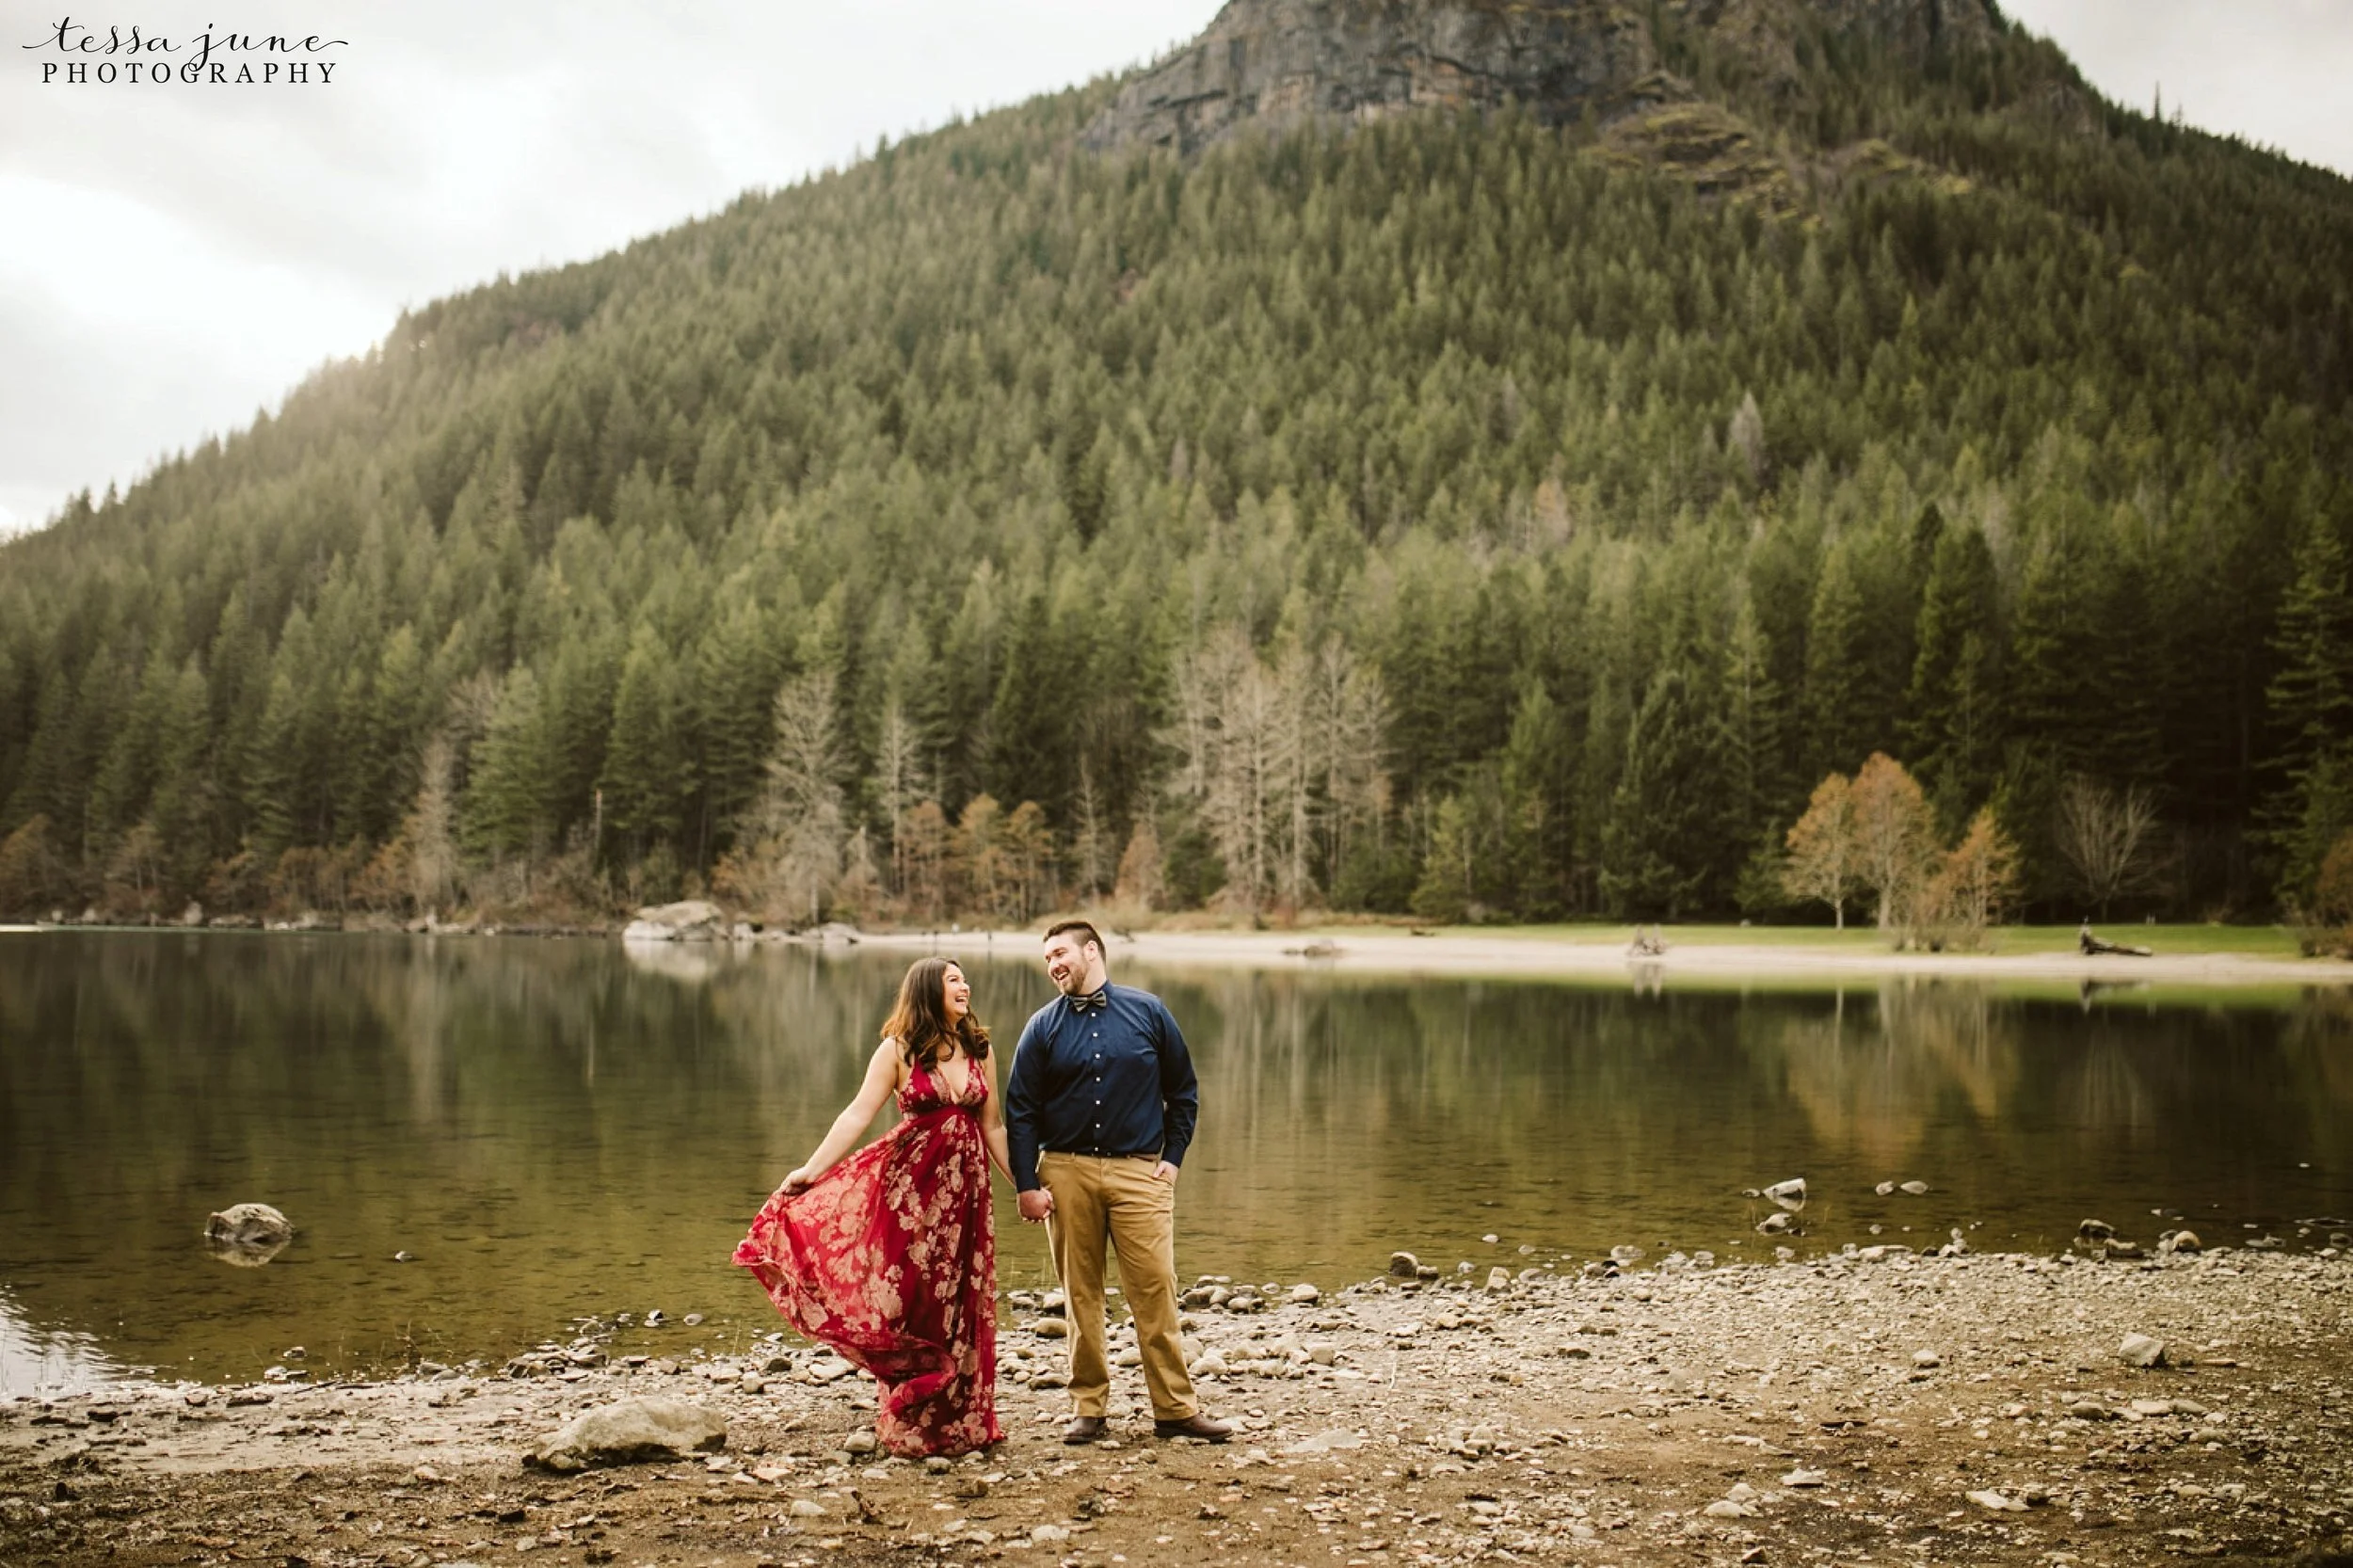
890,1258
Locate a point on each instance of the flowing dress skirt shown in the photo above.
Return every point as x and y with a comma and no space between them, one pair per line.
890,1258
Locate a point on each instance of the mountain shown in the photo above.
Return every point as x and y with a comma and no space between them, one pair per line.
1277,65
1490,459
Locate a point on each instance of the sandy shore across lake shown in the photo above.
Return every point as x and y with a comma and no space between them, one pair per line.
1376,950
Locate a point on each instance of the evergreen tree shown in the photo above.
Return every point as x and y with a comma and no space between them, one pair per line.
2311,702
1662,843
1954,732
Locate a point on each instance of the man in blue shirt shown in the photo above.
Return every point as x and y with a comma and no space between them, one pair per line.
1100,1108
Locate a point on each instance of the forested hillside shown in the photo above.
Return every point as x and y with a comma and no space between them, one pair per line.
1457,514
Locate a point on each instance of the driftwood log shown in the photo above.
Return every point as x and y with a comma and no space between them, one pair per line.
2094,947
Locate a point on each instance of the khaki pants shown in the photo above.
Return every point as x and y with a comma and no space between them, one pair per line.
1118,1200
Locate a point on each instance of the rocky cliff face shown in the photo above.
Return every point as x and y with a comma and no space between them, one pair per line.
1277,63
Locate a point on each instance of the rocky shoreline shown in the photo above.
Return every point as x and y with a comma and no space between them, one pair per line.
1889,1408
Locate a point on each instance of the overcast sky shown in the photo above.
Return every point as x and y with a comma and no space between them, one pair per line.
174,257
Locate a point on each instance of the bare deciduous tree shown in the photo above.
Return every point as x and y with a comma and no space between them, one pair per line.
2107,839
432,827
1350,714
898,751
796,824
1141,883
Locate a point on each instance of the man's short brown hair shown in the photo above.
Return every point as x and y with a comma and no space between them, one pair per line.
1084,930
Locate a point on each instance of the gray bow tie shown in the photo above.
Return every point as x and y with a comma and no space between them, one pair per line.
1093,1002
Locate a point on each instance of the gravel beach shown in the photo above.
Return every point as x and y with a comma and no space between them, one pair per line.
1876,1406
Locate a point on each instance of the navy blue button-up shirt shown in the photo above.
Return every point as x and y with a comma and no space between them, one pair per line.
1114,1081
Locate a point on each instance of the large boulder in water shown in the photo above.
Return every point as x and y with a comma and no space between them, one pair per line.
248,1233
248,1224
690,920
630,1432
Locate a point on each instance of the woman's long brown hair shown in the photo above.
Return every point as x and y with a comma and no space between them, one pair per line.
919,1019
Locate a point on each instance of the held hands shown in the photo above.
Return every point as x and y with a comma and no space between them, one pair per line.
1036,1206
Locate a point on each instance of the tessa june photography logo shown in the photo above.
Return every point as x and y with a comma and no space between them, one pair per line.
74,54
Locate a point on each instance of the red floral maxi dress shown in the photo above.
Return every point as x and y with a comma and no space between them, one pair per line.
890,1258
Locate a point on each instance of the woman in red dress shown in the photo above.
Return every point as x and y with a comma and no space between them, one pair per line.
890,1257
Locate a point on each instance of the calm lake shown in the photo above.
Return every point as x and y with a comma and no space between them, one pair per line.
557,1129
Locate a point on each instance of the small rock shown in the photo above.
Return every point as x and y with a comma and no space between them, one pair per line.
831,1370
1045,1534
1915,1187
2094,1230
404,1257
1790,1193
630,1432
1305,1295
1776,1223
2182,1240
1052,1328
1491,1238
1727,1508
1802,1479
1625,1254
1498,1279
1997,1502
860,1443
1927,1358
426,1474
2140,1350
1404,1264
1884,1188
692,1320
807,1507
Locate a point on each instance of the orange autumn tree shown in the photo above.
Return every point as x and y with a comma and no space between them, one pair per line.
1825,860
1977,880
1894,835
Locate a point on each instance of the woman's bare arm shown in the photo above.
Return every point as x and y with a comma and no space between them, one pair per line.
882,1080
993,1120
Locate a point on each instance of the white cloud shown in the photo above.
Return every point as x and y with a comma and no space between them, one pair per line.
172,258
2270,71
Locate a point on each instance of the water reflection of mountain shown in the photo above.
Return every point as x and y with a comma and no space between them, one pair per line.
554,1128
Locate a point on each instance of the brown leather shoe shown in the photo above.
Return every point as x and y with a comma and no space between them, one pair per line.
1195,1425
1086,1429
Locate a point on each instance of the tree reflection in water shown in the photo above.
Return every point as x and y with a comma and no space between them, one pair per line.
559,1128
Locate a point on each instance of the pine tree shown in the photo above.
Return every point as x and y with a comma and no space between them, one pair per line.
1954,732
1660,846
1839,664
647,775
